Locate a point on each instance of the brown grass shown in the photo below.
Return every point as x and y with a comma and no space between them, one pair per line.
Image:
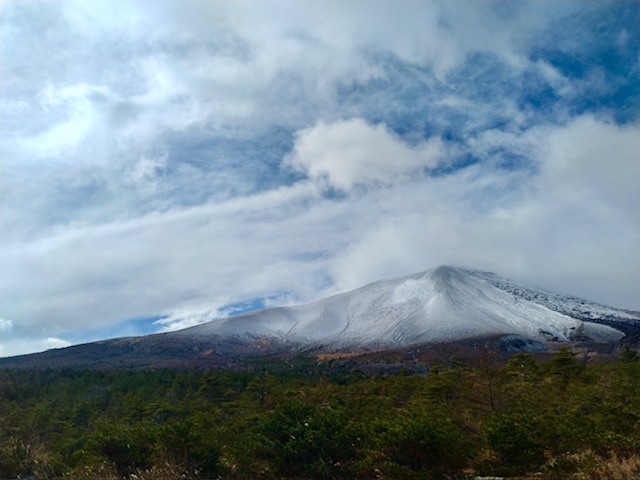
617,468
588,465
107,472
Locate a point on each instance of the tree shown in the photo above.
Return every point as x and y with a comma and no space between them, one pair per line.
565,366
425,441
307,439
512,437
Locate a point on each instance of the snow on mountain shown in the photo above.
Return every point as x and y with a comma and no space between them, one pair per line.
439,305
445,305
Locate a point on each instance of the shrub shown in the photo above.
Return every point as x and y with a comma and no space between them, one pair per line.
308,440
512,437
426,442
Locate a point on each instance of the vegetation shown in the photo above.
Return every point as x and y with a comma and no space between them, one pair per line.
559,418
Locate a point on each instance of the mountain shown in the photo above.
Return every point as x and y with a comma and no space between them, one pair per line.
440,306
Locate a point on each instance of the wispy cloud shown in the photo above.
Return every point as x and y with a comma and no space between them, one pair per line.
190,160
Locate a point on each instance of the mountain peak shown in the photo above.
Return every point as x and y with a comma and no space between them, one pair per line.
442,305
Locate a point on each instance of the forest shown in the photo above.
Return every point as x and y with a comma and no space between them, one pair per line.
301,419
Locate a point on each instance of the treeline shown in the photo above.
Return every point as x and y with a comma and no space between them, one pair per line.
557,418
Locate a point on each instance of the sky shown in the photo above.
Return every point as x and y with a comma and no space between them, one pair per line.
167,162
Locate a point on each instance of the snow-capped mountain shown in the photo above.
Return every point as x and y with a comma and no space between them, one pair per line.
443,306
439,305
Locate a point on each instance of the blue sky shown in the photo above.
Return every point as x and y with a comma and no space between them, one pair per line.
164,163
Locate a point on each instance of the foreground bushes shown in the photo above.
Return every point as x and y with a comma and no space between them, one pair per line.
558,418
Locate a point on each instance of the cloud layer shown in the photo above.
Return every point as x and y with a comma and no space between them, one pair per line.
162,167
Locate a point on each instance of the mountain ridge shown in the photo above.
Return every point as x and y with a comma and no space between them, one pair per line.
446,304
436,305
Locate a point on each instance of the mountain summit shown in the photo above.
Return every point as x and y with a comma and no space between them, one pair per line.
442,305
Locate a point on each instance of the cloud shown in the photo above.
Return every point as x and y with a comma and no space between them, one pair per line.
53,342
128,265
596,160
564,227
5,325
19,345
186,318
404,243
584,202
176,162
352,152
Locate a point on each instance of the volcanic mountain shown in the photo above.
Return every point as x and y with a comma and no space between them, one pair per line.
442,305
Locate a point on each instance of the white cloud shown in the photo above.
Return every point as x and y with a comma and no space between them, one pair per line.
5,325
198,253
190,317
596,162
79,117
19,346
392,248
542,229
565,228
174,160
352,152
582,216
54,342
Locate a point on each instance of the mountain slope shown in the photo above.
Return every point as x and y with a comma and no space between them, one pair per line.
439,305
443,305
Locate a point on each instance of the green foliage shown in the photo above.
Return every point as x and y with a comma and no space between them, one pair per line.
189,446
425,442
513,438
629,355
320,422
305,439
15,458
127,448
565,366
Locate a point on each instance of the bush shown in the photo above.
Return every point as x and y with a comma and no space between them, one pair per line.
512,437
308,440
127,448
423,441
15,458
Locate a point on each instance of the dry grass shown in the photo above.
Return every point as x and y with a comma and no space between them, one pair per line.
588,465
323,357
617,468
107,472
